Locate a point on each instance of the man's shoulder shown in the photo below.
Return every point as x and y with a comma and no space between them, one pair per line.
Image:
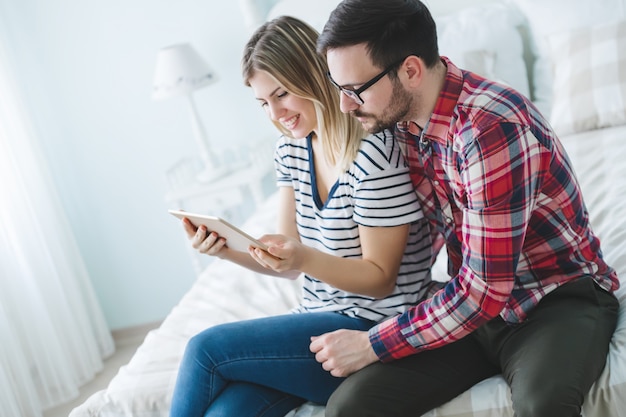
491,101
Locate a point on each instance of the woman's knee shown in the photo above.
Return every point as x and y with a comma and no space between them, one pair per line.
209,342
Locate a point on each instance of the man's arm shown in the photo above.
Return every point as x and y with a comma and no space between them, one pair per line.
485,280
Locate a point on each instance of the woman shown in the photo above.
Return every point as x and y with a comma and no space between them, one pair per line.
348,219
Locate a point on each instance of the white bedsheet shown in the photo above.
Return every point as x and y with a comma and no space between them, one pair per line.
225,292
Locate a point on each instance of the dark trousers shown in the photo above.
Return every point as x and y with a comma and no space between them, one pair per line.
550,362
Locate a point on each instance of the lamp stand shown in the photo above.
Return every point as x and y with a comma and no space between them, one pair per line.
210,163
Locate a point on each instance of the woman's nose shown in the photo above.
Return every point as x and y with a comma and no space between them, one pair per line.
275,111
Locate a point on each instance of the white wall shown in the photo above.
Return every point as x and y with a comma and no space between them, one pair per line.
86,68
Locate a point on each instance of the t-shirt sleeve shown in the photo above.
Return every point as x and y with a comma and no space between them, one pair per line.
281,167
384,194
386,198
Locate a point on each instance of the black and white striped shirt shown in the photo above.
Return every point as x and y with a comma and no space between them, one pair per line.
375,191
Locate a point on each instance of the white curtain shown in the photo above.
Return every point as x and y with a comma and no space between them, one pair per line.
53,335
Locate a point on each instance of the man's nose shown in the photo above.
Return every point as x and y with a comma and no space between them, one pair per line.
347,104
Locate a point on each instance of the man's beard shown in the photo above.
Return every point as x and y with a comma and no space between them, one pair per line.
398,110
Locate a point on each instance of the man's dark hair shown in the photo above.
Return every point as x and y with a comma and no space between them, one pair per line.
391,29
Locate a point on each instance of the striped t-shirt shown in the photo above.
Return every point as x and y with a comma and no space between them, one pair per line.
375,191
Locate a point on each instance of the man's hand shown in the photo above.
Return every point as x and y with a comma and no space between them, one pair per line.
343,352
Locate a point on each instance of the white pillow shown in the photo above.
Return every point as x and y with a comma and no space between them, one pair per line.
490,31
589,90
546,17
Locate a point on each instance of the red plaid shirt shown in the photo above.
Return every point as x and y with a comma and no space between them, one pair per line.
496,183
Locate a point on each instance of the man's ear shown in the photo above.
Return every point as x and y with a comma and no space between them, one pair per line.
412,70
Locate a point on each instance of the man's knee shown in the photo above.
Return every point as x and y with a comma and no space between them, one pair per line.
345,401
546,402
352,399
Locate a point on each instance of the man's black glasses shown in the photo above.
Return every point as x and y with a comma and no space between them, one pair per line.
356,94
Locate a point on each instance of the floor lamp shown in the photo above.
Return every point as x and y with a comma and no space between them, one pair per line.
180,70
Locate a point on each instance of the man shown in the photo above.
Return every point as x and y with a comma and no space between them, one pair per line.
530,296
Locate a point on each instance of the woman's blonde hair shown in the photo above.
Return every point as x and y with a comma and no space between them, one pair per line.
285,49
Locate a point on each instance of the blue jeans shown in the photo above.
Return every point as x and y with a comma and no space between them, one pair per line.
260,367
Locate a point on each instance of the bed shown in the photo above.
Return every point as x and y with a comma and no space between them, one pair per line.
567,65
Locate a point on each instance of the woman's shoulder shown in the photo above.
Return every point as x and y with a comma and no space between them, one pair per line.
381,149
379,140
284,139
286,145
382,141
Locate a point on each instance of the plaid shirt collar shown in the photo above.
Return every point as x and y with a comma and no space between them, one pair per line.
438,127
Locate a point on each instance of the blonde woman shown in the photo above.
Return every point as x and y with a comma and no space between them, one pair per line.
348,220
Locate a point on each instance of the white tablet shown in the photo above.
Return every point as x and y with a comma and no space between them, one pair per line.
236,238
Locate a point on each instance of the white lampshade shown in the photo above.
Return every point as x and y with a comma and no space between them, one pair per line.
180,70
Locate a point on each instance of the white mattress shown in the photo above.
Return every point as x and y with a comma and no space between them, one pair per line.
225,292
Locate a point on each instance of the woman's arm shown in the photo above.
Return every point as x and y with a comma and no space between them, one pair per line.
374,274
286,224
